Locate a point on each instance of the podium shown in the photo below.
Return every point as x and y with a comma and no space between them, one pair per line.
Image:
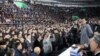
67,52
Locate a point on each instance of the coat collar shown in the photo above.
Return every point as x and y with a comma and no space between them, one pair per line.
97,53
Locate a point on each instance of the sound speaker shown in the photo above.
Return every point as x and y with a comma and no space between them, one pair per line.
10,1
1,1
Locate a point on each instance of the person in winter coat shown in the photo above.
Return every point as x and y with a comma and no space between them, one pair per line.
47,46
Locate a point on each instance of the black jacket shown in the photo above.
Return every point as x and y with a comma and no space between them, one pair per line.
2,52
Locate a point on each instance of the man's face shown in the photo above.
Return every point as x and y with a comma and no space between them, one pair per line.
99,22
15,37
7,36
76,22
83,21
21,39
0,34
3,46
93,45
13,33
19,47
29,37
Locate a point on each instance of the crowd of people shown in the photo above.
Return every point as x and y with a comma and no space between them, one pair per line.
43,34
36,14
47,40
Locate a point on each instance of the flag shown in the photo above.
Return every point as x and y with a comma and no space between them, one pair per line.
75,17
21,4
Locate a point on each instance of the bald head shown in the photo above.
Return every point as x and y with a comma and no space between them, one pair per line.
37,50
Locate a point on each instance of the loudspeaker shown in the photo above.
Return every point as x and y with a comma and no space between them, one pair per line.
10,1
27,1
1,1
0,8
